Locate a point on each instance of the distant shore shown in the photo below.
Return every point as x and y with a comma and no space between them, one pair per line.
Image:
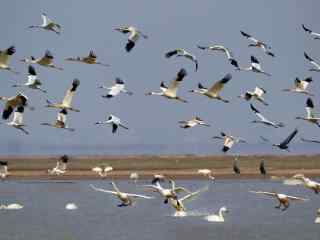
175,166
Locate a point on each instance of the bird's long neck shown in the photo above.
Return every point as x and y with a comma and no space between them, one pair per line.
221,214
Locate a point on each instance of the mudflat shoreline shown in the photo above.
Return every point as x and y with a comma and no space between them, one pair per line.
175,166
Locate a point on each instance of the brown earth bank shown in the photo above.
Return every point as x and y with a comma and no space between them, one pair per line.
175,166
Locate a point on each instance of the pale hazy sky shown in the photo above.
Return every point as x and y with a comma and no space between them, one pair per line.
89,25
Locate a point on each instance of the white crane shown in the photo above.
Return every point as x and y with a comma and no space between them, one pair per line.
193,122
316,65
228,141
255,67
133,37
300,86
310,114
134,176
167,193
61,121
114,121
67,100
217,217
90,59
13,102
48,24
214,91
116,89
170,92
61,166
32,81
264,120
17,121
223,49
284,200
5,57
180,52
45,61
207,173
102,170
312,33
257,94
127,199
4,169
257,43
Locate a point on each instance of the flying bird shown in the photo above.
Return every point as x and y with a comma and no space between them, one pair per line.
193,122
312,33
170,91
114,121
255,67
313,63
309,140
67,100
90,59
17,121
228,141
257,43
284,200
180,52
32,81
45,61
133,37
310,114
127,199
264,120
223,49
48,24
13,102
61,166
5,57
116,89
214,91
61,121
262,168
284,145
300,86
235,166
257,94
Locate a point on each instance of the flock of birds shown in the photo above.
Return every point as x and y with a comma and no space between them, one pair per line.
17,104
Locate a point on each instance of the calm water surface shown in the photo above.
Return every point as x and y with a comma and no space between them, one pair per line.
98,218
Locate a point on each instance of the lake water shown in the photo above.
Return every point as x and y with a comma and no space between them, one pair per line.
44,216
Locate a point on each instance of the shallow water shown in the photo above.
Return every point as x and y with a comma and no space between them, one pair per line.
250,216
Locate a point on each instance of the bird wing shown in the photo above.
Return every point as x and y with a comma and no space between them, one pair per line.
259,91
181,189
192,196
102,190
304,83
311,60
47,59
45,20
114,127
309,108
18,115
258,114
289,138
67,100
218,86
115,89
174,84
249,36
306,29
297,198
139,196
171,53
5,55
264,193
255,63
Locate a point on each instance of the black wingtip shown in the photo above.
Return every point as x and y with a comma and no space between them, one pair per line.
309,103
75,84
6,113
64,158
11,50
181,74
226,78
119,81
171,53
129,45
32,70
254,59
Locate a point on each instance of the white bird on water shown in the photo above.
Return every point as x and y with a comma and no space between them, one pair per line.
90,59
193,122
254,67
310,114
214,91
114,121
180,52
257,43
171,91
45,61
217,217
116,89
5,57
102,170
312,33
264,120
33,82
48,24
133,37
61,121
67,100
207,173
127,199
300,86
257,94
17,121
